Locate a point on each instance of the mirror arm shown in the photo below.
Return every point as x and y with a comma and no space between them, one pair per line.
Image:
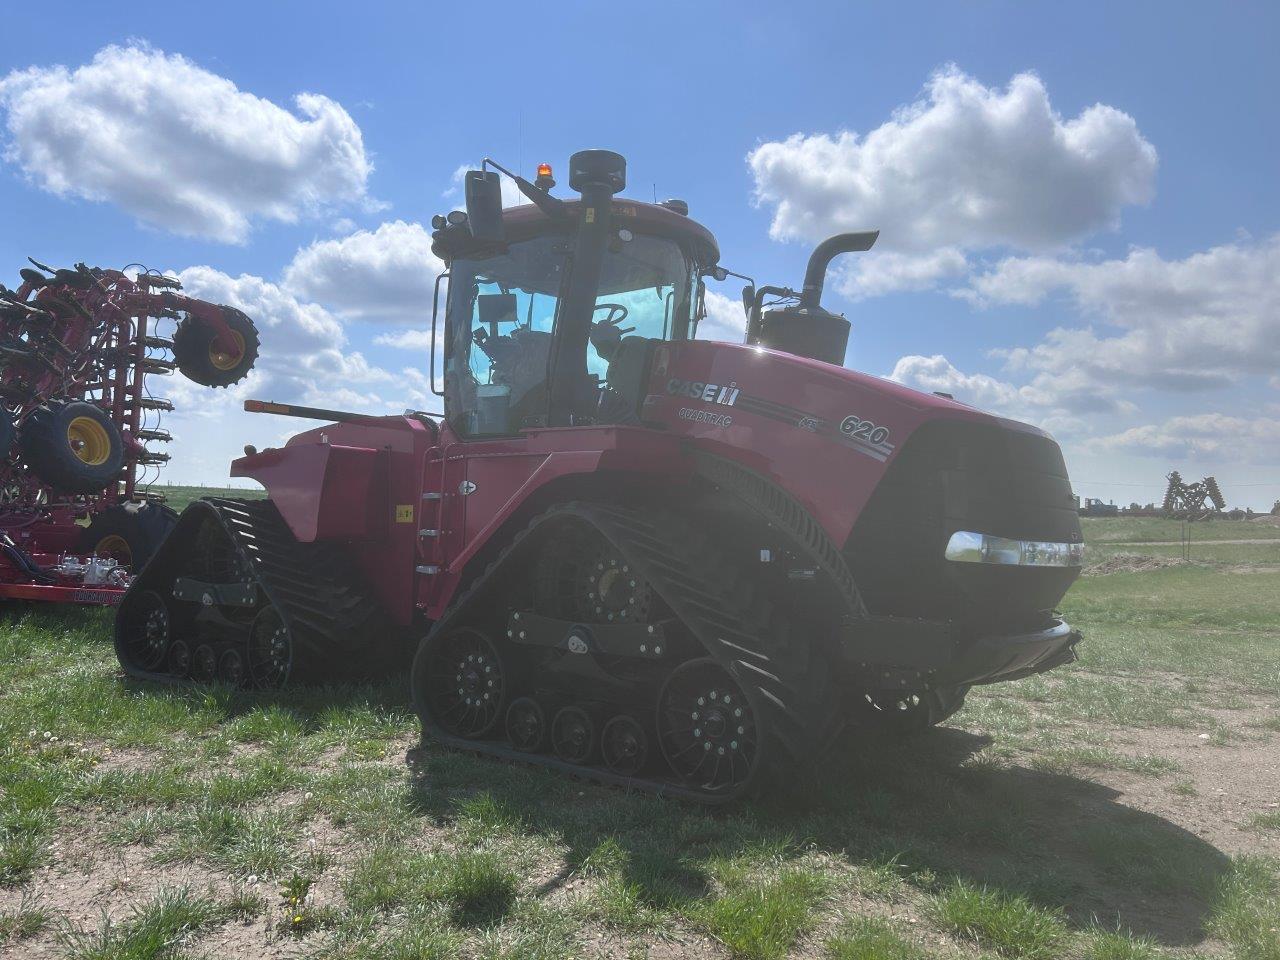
435,308
551,206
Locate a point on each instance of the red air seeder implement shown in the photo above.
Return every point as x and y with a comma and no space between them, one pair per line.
76,349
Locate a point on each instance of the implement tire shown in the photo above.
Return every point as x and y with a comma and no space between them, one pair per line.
73,447
129,533
200,361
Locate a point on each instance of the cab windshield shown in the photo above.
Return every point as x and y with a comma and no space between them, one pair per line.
503,310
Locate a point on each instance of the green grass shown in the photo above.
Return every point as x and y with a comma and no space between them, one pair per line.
996,836
1266,821
157,929
23,922
1107,945
1009,924
1145,529
1246,910
1264,553
872,938
761,918
477,888
178,496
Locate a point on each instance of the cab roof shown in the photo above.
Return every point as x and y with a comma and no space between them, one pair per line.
526,221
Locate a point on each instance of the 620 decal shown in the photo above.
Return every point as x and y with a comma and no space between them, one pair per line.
859,429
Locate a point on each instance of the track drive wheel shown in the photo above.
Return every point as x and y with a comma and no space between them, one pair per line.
270,658
128,533
707,729
461,683
73,447
147,631
210,363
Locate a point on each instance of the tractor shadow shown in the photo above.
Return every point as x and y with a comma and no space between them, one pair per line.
926,813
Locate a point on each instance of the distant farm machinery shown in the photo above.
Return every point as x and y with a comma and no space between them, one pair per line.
1192,501
78,421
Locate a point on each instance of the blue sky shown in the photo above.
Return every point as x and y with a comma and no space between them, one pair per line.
1106,171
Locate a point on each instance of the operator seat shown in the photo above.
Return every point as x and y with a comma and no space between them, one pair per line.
628,378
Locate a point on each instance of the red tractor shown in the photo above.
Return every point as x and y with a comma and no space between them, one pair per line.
627,551
76,349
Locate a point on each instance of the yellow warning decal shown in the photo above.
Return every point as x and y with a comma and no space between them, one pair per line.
404,513
590,215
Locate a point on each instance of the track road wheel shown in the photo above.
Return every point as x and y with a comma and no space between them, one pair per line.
526,725
146,632
73,447
707,729
908,713
573,735
624,745
231,667
210,363
204,664
270,658
128,533
461,684
180,659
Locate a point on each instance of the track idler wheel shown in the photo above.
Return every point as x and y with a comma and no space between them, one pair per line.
270,656
465,683
232,669
204,664
707,728
526,725
146,631
624,746
573,735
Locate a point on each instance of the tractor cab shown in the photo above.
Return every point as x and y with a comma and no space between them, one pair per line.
555,307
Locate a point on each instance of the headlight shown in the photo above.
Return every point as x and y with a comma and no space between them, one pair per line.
967,547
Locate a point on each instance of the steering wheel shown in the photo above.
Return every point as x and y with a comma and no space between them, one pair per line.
606,335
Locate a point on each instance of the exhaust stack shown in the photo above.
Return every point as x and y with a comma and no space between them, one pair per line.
806,329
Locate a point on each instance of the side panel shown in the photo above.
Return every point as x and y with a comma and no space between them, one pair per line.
508,474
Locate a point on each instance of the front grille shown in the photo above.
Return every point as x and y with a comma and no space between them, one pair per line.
963,476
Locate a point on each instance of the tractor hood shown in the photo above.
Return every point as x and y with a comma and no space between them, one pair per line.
826,434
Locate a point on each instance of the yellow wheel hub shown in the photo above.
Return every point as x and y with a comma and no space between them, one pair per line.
116,547
89,441
227,361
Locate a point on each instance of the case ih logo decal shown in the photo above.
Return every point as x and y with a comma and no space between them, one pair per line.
864,436
707,392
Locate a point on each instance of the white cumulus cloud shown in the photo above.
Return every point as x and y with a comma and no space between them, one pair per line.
1215,437
1054,401
177,146
966,167
1203,321
304,356
387,274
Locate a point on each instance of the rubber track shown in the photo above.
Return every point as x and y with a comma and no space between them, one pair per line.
789,515
336,626
715,599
